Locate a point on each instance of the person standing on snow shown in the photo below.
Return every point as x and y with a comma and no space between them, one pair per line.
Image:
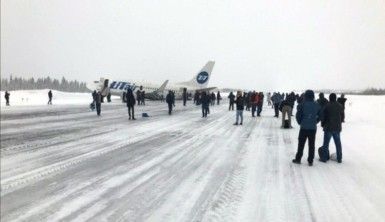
332,125
130,101
286,109
276,99
142,97
205,104
49,97
260,103
170,101
213,98
138,95
6,96
184,96
218,97
308,115
342,101
254,102
231,101
240,107
98,103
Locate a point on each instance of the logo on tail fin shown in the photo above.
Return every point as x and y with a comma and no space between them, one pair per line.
202,77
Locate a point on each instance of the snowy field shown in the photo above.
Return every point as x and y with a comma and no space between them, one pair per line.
63,163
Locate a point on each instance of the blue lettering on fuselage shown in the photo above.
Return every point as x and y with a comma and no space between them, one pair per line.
122,86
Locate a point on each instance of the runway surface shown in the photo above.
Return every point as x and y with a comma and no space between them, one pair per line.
63,163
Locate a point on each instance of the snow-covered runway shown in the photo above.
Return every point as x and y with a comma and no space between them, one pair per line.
65,163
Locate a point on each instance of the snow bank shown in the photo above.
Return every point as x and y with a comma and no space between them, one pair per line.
40,97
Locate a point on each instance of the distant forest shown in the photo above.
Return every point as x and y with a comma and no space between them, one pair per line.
18,83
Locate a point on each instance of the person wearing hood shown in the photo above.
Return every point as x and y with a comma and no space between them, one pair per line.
308,115
332,126
130,100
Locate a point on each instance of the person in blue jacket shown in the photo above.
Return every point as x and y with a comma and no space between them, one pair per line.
308,115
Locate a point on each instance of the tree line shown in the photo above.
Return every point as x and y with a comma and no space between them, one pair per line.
19,83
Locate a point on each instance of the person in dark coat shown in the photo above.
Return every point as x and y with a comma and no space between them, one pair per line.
332,126
218,97
184,96
231,101
322,101
276,99
142,97
169,101
205,100
213,98
130,101
50,97
98,103
260,103
240,107
254,102
341,100
308,115
6,96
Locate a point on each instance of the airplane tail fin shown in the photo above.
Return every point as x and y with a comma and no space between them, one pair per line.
201,79
162,87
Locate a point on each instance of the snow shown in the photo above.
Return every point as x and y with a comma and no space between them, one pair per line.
63,163
40,97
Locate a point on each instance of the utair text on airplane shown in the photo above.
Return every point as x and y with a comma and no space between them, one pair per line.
118,87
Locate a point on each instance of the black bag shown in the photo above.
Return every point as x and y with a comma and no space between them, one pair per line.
322,154
286,124
92,106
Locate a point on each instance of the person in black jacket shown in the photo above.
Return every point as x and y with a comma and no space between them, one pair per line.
6,96
240,107
184,96
218,97
205,104
231,101
332,126
130,101
170,101
98,102
342,101
50,97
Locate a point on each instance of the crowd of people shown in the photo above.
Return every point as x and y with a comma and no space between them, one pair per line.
331,114
309,112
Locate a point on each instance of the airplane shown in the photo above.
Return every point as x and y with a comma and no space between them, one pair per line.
198,83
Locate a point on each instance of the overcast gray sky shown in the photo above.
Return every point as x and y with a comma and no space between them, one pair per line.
261,44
